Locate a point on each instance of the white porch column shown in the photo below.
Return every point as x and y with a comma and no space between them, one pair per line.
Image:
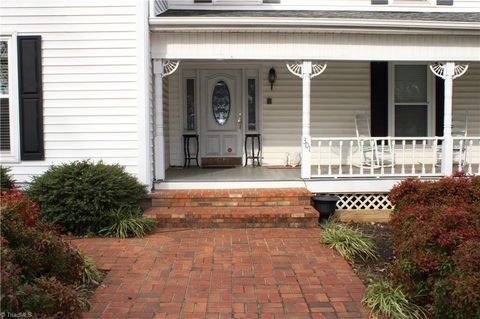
306,168
447,149
307,71
448,71
158,140
161,68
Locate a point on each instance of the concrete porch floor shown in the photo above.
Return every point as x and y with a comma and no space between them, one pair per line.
234,174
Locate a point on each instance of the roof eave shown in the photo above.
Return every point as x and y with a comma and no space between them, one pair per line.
273,24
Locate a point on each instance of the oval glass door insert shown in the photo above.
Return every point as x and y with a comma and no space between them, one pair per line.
221,102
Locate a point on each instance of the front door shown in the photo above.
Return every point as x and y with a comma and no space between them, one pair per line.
221,116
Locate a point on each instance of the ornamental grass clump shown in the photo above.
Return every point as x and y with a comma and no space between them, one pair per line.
125,223
384,300
348,241
436,243
80,196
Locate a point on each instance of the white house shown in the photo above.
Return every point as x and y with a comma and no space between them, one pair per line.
357,94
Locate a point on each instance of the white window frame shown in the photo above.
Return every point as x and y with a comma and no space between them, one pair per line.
12,156
430,98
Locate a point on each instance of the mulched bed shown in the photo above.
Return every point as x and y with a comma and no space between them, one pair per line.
381,234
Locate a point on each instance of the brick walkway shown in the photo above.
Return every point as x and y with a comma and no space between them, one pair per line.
223,273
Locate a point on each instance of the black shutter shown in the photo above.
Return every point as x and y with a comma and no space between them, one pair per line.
439,105
379,98
30,97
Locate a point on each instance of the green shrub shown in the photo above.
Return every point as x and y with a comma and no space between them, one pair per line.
40,272
349,242
384,300
127,224
436,236
6,180
80,195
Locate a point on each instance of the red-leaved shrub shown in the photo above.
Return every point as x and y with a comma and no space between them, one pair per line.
436,236
40,271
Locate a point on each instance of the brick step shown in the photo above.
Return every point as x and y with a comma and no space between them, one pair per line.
231,198
234,217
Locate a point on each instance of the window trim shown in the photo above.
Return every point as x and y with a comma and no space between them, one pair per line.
12,156
430,98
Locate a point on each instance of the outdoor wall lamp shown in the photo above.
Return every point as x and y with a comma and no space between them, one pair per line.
272,77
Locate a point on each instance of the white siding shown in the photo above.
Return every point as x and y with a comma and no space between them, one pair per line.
394,5
89,77
466,97
336,95
342,90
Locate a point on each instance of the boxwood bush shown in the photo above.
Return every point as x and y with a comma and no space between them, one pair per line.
436,242
80,196
40,272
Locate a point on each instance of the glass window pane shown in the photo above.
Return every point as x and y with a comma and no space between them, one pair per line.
221,103
252,105
410,83
4,125
411,120
3,67
190,104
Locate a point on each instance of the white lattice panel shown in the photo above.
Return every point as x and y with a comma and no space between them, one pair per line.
363,201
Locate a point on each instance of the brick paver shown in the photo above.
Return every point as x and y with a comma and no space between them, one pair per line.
223,273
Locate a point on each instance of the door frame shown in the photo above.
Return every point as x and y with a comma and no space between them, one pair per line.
191,69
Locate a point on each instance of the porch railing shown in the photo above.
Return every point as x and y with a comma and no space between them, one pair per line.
390,156
466,154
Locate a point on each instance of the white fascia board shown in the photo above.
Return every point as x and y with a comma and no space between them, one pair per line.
296,23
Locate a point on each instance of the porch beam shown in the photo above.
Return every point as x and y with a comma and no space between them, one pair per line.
161,69
448,71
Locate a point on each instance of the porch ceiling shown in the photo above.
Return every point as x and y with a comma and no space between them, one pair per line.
332,46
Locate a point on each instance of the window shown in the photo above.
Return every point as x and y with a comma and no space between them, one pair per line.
190,104
4,98
221,103
252,104
252,100
411,92
8,109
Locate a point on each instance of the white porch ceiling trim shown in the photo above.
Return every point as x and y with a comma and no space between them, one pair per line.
314,46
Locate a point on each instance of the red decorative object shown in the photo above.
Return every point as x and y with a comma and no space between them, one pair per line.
229,150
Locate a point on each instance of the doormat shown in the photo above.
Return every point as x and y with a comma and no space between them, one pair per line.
283,167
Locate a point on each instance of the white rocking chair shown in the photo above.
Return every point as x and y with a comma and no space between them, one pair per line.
372,154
